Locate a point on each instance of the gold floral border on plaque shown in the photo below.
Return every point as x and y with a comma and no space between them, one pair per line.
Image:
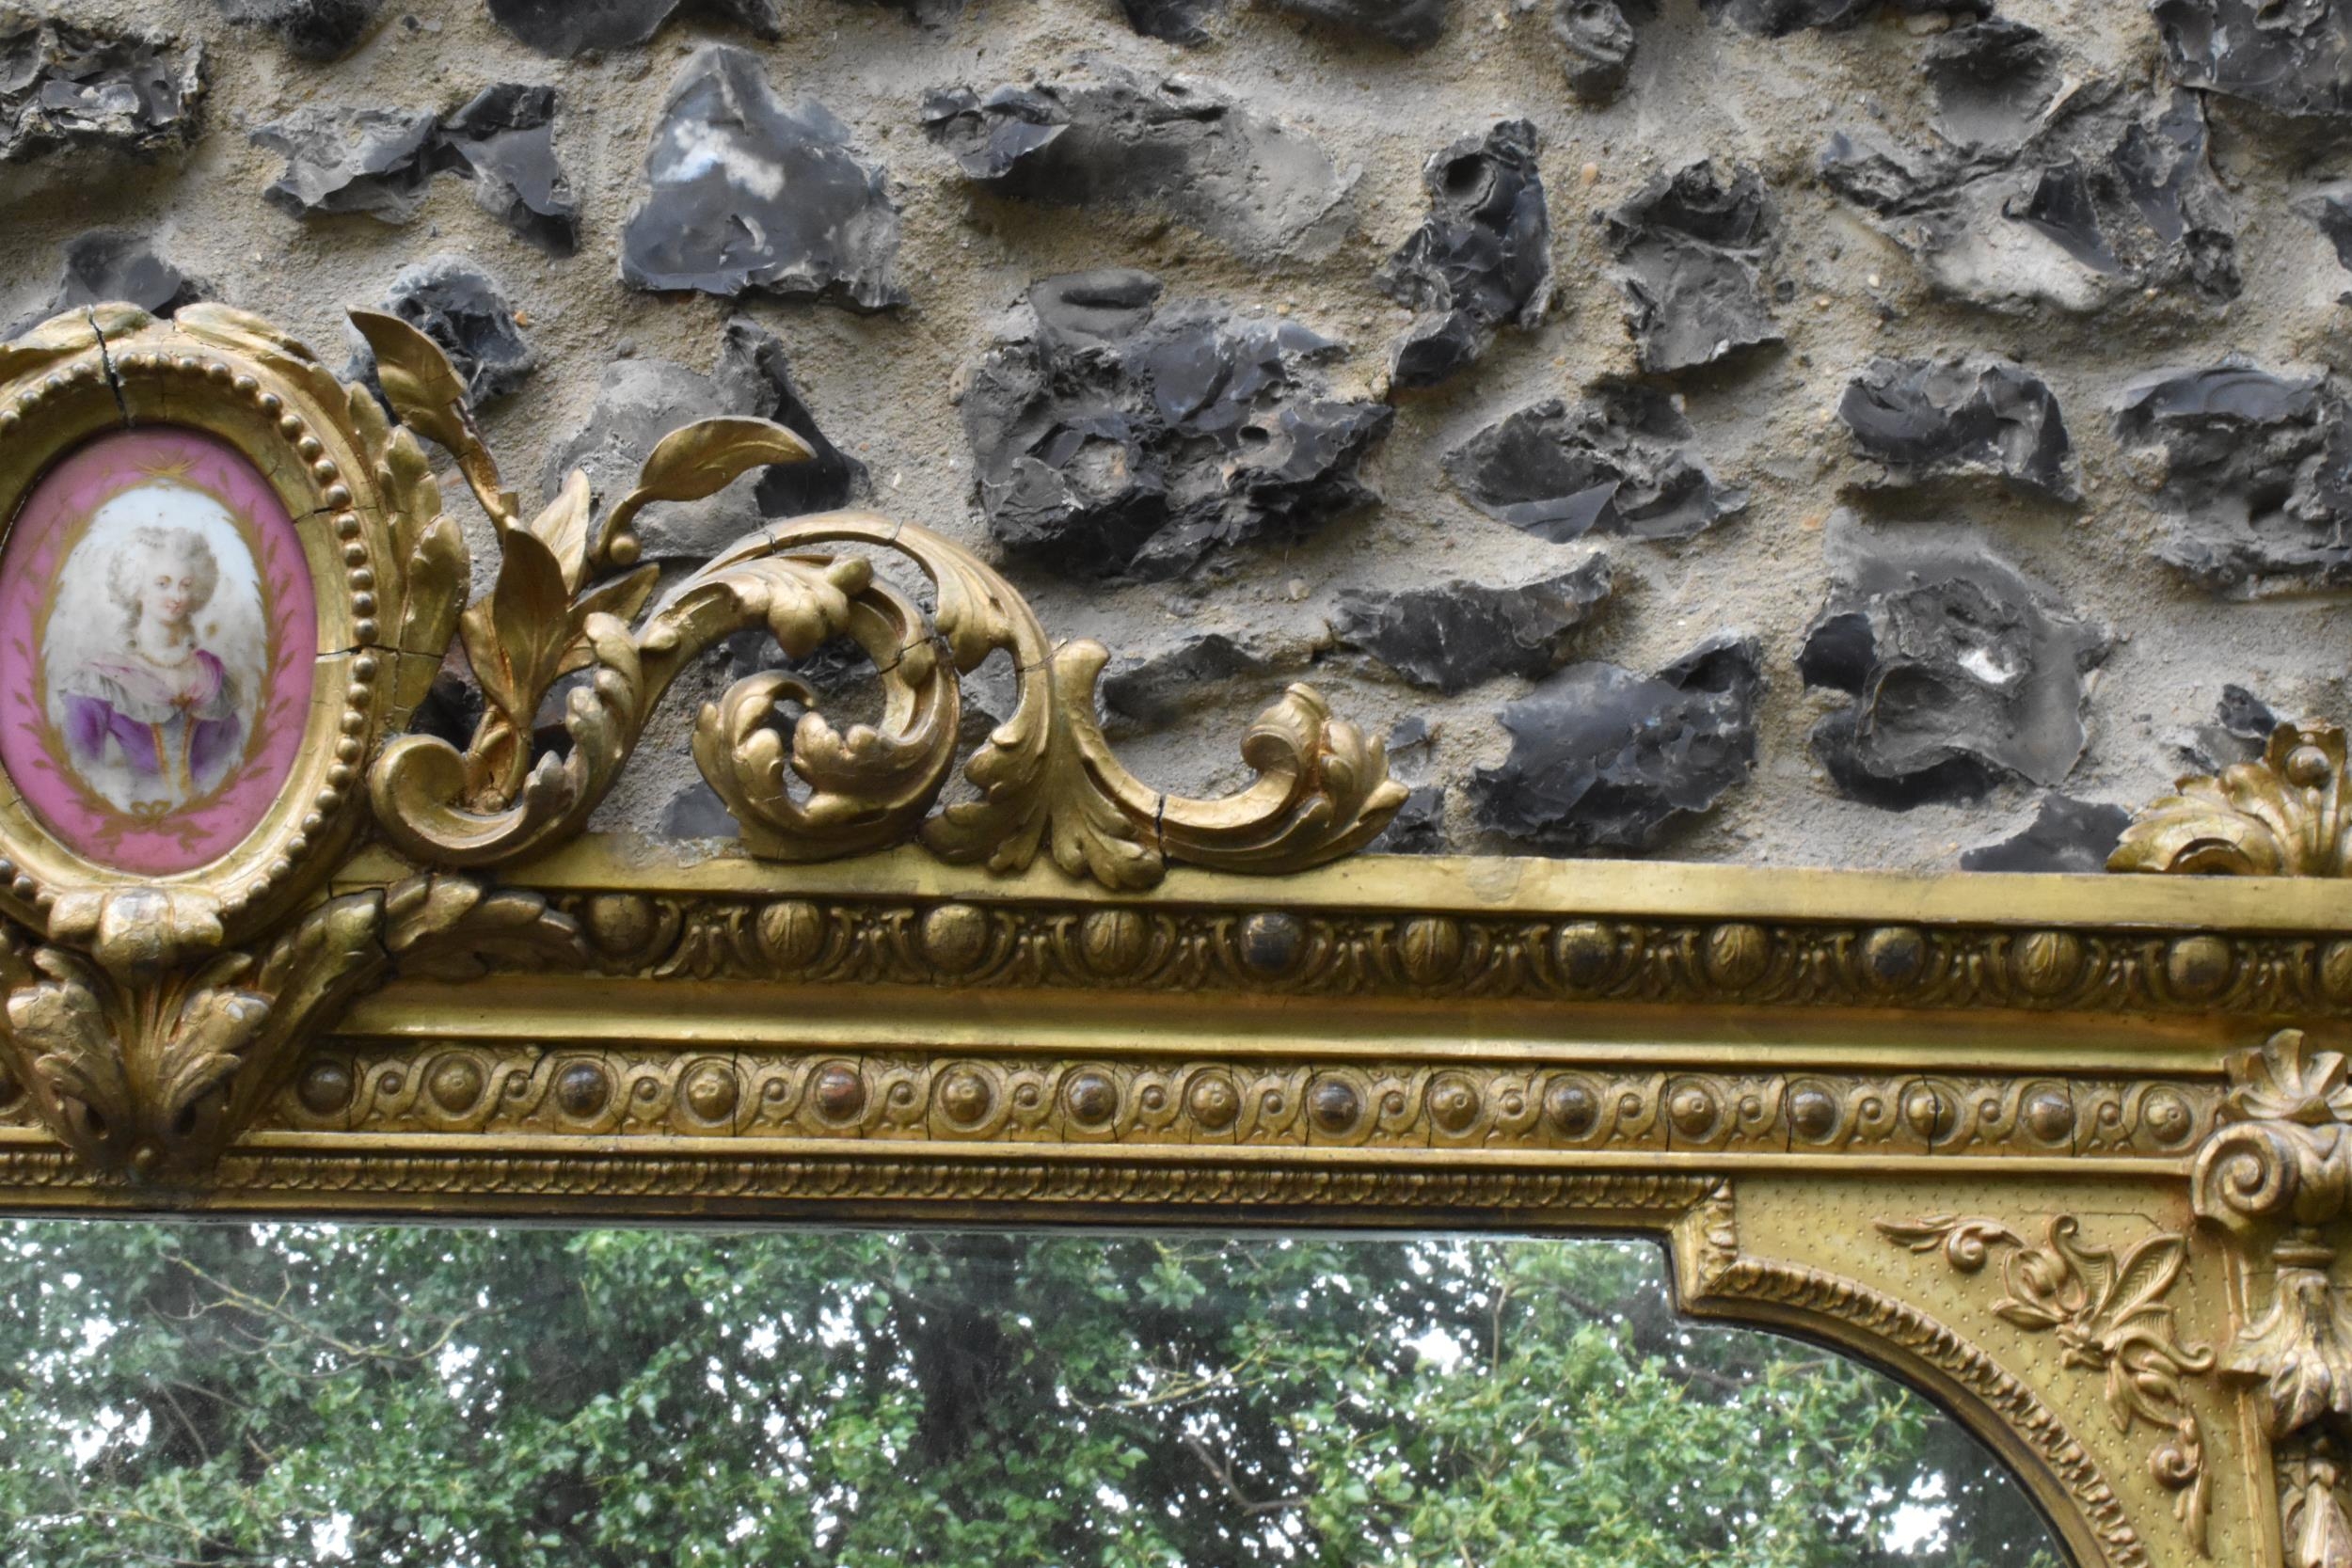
2069,1152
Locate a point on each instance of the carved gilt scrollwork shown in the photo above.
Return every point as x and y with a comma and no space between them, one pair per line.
1047,780
147,1016
2108,1314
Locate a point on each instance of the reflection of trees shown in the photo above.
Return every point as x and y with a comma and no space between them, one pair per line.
225,1394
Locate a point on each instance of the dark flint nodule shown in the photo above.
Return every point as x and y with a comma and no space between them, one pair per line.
1924,419
754,377
1115,437
2035,200
1991,82
376,162
114,263
1110,137
1158,690
64,86
696,812
1419,826
2065,834
2258,475
1405,23
1691,246
1606,758
2329,209
1617,463
505,137
747,195
1597,43
310,29
641,401
2239,733
462,309
1451,636
1964,671
1779,18
563,28
2247,717
1481,258
451,708
1171,21
2293,58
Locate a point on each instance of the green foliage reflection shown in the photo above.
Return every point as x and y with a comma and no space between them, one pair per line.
517,1397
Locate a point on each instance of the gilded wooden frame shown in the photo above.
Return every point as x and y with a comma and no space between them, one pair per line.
2069,1152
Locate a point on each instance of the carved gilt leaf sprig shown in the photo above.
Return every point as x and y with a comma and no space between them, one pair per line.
422,598
429,395
690,463
2108,1314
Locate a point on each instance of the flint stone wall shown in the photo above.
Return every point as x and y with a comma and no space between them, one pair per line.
1775,431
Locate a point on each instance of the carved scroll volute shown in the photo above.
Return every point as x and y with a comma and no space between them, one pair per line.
2278,1175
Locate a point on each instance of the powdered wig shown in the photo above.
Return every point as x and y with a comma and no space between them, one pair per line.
126,574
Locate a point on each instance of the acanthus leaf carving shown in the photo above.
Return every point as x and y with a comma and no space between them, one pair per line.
149,1074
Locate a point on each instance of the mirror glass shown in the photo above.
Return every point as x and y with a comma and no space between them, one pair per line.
180,1393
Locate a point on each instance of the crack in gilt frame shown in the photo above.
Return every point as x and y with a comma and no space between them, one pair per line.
2069,1152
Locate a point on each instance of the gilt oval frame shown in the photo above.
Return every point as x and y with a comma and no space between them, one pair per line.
218,373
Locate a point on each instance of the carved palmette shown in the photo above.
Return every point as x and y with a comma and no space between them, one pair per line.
2282,816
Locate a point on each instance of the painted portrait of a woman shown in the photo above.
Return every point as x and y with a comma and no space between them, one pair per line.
153,648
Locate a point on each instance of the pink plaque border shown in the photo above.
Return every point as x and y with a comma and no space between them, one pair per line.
52,519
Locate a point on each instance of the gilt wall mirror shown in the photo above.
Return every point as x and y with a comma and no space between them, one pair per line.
946,1089
2064,1152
